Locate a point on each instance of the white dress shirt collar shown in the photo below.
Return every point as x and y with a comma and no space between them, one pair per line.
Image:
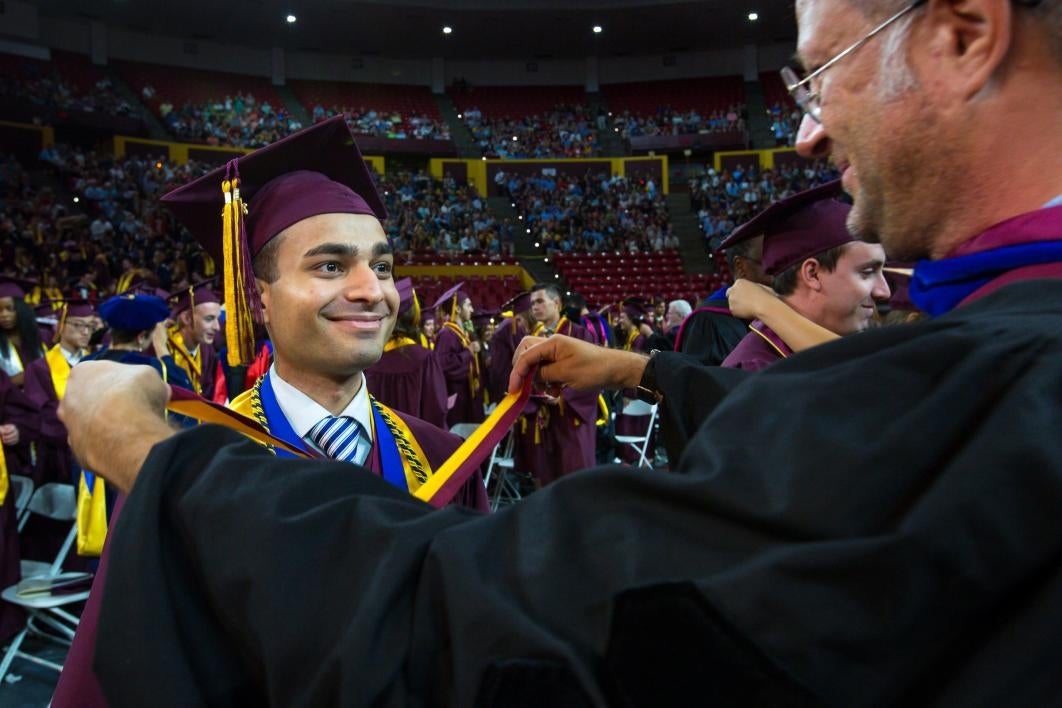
303,412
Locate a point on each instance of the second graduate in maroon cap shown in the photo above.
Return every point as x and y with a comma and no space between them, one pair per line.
408,377
45,385
821,272
196,313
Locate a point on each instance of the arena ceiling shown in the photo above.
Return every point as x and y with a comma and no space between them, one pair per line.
512,29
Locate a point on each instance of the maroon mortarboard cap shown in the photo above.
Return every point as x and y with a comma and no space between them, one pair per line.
405,294
635,308
484,317
797,228
45,309
74,308
11,286
198,294
446,297
519,303
145,287
318,170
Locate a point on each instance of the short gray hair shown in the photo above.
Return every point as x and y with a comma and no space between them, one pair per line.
681,306
1046,14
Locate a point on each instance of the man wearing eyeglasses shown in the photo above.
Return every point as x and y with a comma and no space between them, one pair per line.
46,385
871,522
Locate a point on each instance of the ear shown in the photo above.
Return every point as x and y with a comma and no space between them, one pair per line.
968,40
810,270
264,296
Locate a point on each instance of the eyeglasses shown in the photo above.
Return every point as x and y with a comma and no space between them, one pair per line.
80,326
800,89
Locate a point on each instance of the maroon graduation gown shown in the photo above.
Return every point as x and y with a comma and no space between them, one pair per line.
409,379
78,687
456,362
17,408
503,344
54,461
759,349
553,440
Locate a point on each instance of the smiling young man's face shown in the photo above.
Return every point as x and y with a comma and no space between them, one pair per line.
333,302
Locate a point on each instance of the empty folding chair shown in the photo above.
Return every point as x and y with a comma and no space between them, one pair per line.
640,443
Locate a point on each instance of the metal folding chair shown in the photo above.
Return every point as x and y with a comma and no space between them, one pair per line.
640,443
44,595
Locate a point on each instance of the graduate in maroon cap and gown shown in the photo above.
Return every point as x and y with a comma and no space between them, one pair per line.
457,354
407,377
20,338
195,312
45,385
556,435
515,325
19,431
810,226
333,300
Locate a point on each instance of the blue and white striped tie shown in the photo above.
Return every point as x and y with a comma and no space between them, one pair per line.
341,438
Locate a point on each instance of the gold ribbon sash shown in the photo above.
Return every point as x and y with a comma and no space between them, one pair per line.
59,369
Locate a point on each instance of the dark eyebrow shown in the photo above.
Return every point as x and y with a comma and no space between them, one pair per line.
874,263
381,248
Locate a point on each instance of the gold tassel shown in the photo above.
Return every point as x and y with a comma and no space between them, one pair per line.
242,319
416,310
233,291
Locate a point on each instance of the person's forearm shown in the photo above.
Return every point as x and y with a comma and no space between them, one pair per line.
797,331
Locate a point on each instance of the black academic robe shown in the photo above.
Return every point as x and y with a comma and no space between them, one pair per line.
710,334
78,686
892,538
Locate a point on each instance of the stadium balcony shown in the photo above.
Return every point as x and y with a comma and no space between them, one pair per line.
708,98
66,91
407,117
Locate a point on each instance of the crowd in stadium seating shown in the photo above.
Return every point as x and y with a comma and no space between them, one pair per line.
386,124
565,131
667,121
429,215
594,213
51,90
724,199
237,120
115,225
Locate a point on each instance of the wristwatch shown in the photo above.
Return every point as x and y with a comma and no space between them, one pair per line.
647,390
